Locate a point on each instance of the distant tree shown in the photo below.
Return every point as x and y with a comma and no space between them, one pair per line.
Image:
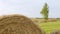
45,11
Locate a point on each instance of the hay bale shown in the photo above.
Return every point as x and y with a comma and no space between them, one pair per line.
18,24
55,32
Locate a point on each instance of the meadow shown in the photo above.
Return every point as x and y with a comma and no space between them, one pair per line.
48,26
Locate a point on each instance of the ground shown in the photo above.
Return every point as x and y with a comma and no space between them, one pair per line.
48,26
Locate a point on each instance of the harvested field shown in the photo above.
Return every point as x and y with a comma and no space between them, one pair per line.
55,32
41,20
18,24
49,26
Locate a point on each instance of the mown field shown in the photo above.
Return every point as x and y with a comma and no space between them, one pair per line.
48,26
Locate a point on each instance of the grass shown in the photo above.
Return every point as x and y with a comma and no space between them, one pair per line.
49,26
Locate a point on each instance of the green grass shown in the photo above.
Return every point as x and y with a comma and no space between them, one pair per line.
50,26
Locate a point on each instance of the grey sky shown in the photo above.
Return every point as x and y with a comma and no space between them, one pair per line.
29,8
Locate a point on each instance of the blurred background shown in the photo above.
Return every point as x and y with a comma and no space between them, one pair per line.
29,8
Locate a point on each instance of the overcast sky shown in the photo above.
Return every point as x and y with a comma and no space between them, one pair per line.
29,8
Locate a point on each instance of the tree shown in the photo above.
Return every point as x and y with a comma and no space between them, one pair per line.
45,11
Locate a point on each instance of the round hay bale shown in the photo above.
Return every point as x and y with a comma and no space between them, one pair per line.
18,24
55,32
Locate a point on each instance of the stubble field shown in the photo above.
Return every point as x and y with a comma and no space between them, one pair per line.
51,25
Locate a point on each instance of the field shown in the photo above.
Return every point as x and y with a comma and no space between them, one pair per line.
49,26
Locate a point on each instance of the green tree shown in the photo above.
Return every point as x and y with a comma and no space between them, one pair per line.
45,11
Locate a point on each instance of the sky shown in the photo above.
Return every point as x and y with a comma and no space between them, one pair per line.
29,8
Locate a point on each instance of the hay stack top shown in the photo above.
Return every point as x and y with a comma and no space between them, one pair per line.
18,24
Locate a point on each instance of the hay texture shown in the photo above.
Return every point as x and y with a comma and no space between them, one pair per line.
18,24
